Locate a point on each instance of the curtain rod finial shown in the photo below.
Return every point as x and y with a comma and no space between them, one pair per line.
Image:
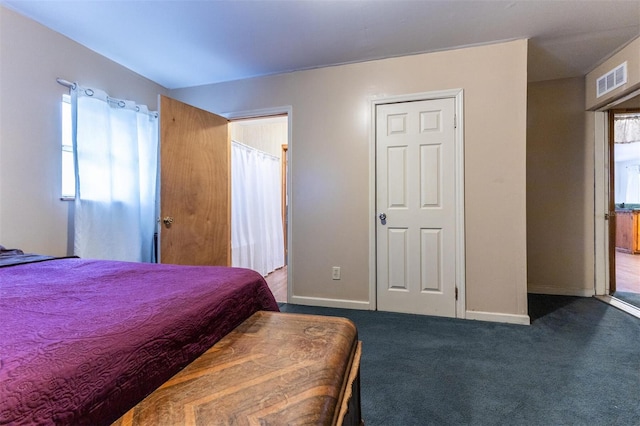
66,83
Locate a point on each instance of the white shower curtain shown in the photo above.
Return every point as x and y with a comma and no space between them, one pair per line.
257,239
116,145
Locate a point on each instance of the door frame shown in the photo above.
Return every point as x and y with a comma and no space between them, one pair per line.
613,218
284,160
266,113
460,269
601,207
603,266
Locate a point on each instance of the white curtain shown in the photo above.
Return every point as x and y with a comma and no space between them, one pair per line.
257,239
633,184
627,128
116,145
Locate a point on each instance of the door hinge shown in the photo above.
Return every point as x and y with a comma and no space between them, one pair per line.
456,293
455,121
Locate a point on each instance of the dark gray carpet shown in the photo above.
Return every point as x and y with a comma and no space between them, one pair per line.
578,363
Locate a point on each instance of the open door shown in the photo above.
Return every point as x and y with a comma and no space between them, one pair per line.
195,186
612,207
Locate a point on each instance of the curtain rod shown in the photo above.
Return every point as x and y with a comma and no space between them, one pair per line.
626,115
66,83
72,86
253,148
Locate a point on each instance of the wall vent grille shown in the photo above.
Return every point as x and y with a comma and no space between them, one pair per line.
612,80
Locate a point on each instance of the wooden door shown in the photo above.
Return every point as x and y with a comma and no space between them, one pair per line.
415,198
195,186
612,206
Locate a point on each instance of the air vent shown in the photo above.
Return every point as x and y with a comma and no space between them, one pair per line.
612,80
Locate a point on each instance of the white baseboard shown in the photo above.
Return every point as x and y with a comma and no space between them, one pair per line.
330,303
560,291
360,305
498,317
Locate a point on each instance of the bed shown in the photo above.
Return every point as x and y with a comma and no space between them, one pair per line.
82,341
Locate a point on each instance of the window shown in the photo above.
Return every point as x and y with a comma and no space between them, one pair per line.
68,172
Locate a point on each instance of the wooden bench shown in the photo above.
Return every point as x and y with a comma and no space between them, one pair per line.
273,369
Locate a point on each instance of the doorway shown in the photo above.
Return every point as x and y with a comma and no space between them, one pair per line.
624,205
605,232
266,139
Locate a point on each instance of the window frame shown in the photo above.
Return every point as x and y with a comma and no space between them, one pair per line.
66,144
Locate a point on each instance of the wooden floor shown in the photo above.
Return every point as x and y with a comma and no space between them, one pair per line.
627,272
277,281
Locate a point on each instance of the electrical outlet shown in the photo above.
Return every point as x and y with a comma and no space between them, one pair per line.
335,273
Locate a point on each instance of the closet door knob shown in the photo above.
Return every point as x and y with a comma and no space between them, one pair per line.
167,220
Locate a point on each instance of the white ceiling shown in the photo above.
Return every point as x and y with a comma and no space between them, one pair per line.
189,43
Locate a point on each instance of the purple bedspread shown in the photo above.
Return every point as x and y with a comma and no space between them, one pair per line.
82,341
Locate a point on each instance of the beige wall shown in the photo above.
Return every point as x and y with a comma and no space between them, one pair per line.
32,217
330,153
330,149
560,194
630,54
267,135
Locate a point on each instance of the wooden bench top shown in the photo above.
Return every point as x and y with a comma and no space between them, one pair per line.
275,368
